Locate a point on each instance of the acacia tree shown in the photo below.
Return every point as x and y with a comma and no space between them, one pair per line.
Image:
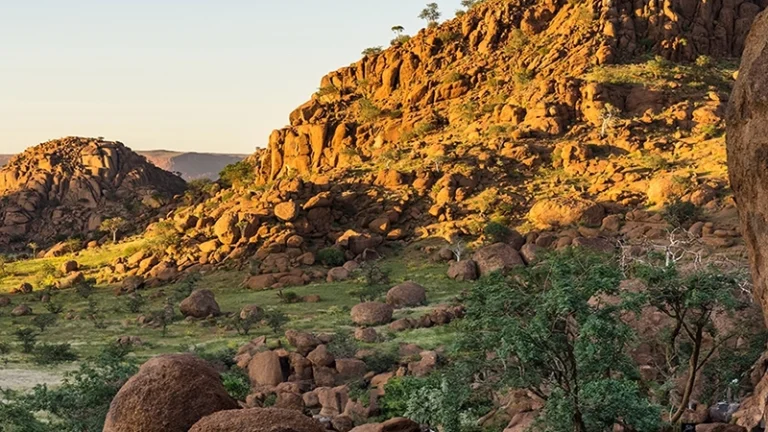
551,329
431,14
113,226
398,30
691,301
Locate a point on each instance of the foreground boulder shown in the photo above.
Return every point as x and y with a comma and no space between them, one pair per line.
258,420
170,393
747,143
407,294
372,314
392,425
562,212
200,304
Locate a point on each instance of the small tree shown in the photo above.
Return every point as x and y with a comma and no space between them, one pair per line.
457,249
398,30
691,301
548,334
134,303
276,319
85,288
242,225
431,14
113,226
44,321
33,247
28,339
609,115
374,283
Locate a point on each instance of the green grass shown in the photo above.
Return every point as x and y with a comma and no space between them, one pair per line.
330,315
90,262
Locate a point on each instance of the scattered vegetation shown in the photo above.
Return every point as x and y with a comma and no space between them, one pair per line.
372,51
238,175
431,14
331,257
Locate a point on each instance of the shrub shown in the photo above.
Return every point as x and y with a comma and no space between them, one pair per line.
523,77
517,41
288,297
113,226
48,354
81,401
186,286
342,346
449,36
238,175
331,257
382,360
372,51
329,90
237,383
400,40
453,77
496,232
680,213
368,110
85,288
54,307
373,284
704,61
134,303
44,321
28,339
276,320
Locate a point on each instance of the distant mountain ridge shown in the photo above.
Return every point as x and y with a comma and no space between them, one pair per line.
190,165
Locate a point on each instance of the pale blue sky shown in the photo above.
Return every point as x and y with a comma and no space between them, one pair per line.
193,75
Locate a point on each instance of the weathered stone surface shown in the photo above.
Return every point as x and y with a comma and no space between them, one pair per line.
407,294
200,304
497,257
371,314
258,420
265,369
170,393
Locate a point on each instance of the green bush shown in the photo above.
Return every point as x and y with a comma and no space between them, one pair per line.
343,346
496,232
81,401
372,51
239,174
27,337
48,354
368,110
382,360
681,213
331,257
276,320
237,383
44,321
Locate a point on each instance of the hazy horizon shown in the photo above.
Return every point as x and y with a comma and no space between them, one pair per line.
178,75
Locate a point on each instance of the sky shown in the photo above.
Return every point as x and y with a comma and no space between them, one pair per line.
188,75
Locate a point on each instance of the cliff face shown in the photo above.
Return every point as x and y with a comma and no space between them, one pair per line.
384,99
67,187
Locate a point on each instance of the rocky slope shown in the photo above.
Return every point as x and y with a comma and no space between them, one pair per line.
67,187
4,159
559,118
189,165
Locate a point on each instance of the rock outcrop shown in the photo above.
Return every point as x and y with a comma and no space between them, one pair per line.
747,143
69,186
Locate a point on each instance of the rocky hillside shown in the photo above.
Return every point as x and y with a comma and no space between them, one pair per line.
191,165
67,187
4,159
565,120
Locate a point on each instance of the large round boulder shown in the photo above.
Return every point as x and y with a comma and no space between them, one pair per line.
497,257
372,314
258,420
170,393
463,270
407,294
200,304
562,212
